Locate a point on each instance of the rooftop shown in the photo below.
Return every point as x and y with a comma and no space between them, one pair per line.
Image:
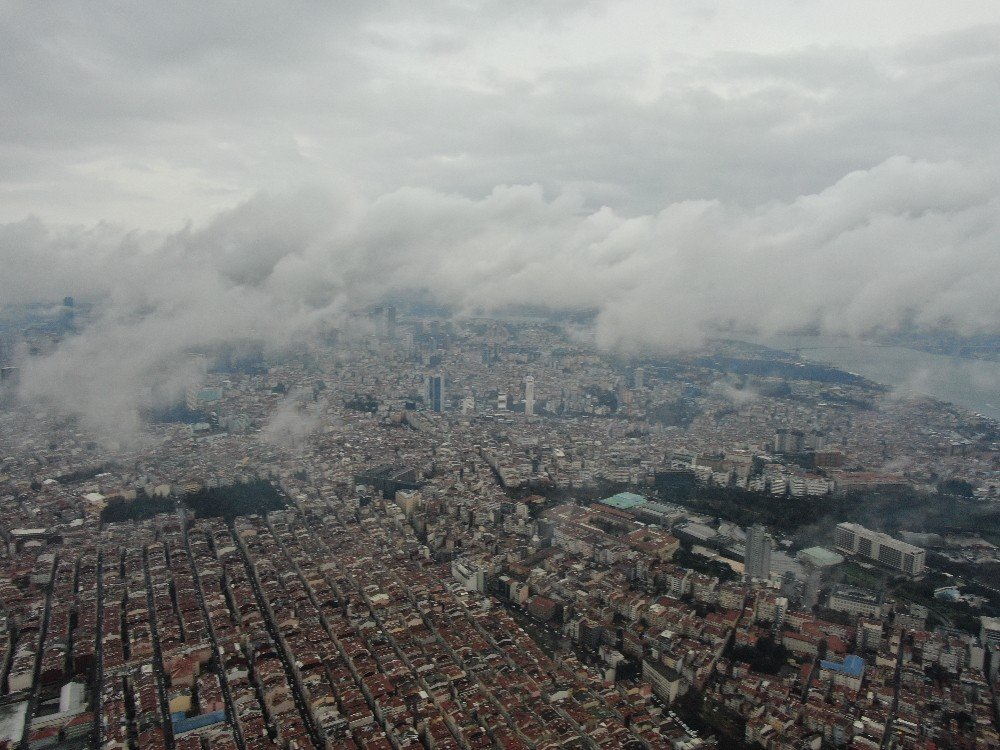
820,557
624,500
855,594
852,666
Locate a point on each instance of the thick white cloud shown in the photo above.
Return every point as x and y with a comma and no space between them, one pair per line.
905,242
674,166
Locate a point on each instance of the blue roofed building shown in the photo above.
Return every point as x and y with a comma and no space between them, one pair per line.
847,673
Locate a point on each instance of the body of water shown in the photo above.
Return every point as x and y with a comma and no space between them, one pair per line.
973,384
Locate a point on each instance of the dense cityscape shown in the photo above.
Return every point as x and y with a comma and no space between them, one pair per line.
500,375
481,533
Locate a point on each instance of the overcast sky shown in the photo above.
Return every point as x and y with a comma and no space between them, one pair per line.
208,170
150,114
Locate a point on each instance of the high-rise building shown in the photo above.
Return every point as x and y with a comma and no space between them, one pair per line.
390,322
383,317
788,441
639,378
529,396
68,312
757,556
435,393
855,601
989,631
469,574
857,540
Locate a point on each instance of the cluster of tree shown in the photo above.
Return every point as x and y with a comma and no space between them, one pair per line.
603,396
745,508
242,499
687,559
775,389
83,474
679,413
143,507
767,657
958,487
366,402
676,484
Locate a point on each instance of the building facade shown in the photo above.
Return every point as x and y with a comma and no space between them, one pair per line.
882,548
435,393
757,556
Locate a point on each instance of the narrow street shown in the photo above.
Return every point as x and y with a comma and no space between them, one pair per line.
887,736
98,695
36,689
159,673
220,666
300,702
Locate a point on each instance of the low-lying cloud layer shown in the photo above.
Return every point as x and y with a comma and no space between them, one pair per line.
676,167
904,242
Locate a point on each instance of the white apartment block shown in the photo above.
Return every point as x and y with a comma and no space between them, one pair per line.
882,548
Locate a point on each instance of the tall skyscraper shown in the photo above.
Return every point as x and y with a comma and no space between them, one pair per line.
68,312
390,322
529,396
435,393
757,557
639,378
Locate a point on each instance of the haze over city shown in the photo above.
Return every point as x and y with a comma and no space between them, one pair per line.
200,171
